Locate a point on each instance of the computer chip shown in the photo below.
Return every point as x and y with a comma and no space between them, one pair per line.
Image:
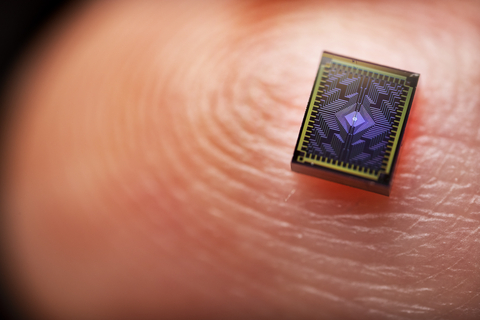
354,123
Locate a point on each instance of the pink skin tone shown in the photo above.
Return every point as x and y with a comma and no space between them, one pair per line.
148,166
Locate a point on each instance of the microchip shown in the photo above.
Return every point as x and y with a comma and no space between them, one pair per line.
354,123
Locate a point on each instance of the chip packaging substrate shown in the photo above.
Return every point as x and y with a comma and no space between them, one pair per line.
354,123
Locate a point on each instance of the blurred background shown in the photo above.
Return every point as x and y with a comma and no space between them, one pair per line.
20,22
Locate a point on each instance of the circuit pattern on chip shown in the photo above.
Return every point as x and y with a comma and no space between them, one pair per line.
354,122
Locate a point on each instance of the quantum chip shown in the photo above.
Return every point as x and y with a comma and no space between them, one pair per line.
354,123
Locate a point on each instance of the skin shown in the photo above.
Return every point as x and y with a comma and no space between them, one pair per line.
147,166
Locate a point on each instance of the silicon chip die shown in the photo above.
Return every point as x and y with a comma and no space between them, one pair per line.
354,123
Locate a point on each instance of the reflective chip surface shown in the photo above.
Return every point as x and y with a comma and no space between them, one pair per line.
354,123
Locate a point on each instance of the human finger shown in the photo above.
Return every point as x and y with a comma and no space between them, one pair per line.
149,166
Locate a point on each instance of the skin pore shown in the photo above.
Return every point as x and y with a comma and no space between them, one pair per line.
148,166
